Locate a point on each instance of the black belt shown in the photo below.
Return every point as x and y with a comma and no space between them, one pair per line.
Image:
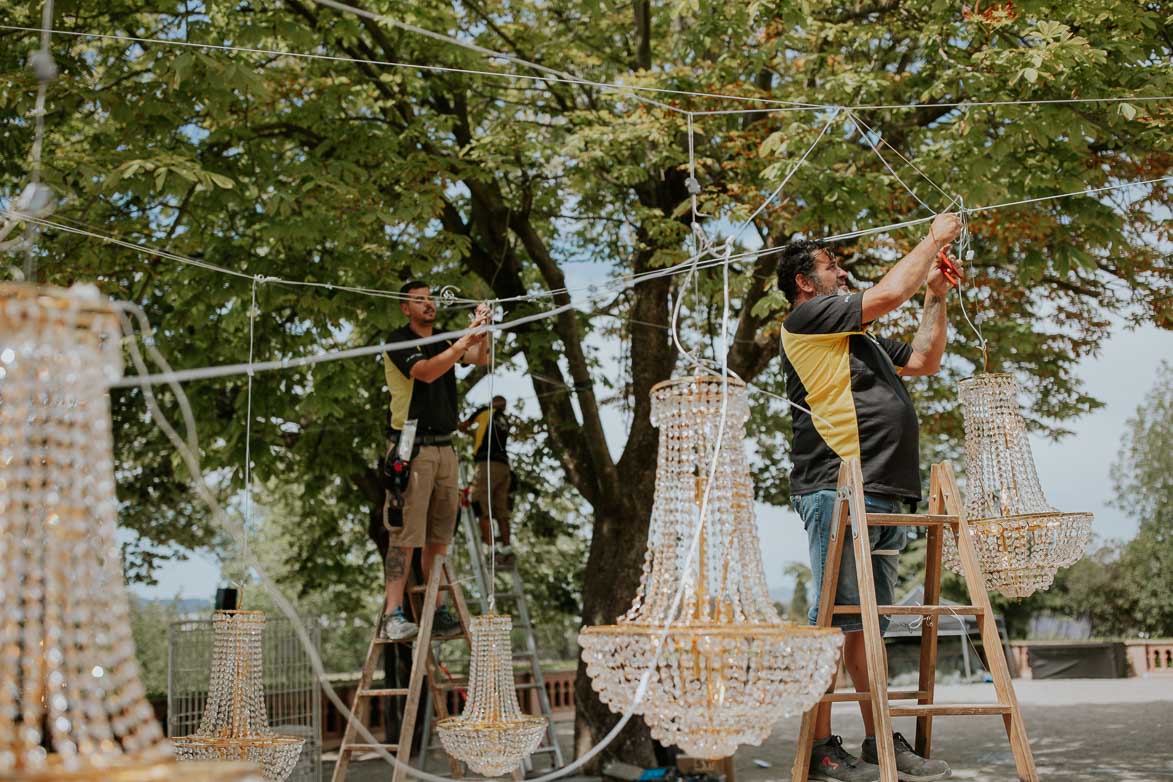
433,439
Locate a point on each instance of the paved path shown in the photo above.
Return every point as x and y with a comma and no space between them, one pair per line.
1104,730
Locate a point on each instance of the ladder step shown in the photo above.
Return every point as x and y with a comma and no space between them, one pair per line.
357,747
540,750
419,590
949,710
915,610
893,695
383,693
910,520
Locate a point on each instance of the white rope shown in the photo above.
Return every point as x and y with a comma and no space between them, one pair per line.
745,223
248,438
189,450
614,285
188,261
777,104
492,597
865,134
204,373
855,118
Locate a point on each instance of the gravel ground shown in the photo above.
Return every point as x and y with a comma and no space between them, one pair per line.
1106,730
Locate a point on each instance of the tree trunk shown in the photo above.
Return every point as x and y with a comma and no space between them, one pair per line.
609,583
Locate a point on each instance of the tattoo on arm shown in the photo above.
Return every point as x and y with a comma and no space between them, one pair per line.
396,563
923,341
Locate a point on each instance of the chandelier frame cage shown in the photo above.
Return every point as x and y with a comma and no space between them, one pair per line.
1021,540
235,724
293,694
72,704
729,668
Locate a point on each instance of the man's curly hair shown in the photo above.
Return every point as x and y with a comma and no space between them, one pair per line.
797,257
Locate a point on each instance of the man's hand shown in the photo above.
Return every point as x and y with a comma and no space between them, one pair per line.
945,228
937,282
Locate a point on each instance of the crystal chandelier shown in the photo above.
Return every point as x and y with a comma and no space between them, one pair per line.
729,668
491,735
72,706
235,725
1021,540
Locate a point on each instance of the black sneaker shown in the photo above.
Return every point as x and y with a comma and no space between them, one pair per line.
829,761
445,624
910,767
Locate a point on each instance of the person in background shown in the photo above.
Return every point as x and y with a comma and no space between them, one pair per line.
491,476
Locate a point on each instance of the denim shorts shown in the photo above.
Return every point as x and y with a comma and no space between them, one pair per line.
816,510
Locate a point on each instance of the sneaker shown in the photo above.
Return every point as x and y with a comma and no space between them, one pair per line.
396,627
504,557
829,761
445,624
910,767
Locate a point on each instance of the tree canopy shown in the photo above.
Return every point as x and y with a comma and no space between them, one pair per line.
355,172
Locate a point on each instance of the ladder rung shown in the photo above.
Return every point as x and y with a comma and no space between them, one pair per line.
916,610
909,520
357,747
948,710
385,642
384,693
893,695
540,750
461,684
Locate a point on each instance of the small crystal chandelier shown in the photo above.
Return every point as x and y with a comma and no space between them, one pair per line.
1021,540
235,725
491,735
730,667
72,706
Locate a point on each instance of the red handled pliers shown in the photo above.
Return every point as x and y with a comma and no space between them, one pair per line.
947,263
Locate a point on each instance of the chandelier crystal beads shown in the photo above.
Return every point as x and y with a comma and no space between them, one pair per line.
729,668
1021,540
72,705
491,735
235,725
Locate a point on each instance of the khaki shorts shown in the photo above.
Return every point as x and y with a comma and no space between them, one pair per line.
492,489
431,501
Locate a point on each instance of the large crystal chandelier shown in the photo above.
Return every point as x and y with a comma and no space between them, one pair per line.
1021,540
729,668
72,706
235,725
491,735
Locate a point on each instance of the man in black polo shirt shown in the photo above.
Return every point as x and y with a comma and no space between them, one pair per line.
422,381
851,381
491,476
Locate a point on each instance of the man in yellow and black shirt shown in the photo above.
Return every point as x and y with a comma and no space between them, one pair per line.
491,476
852,382
422,381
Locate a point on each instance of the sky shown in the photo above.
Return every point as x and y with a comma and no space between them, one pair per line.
1073,472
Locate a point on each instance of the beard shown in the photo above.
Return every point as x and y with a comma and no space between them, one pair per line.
833,289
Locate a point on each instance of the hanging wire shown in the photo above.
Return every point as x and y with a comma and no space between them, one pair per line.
248,439
42,64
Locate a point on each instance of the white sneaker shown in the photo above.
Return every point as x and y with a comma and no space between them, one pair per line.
397,628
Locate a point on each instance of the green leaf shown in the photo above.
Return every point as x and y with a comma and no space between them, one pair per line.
1128,111
1030,74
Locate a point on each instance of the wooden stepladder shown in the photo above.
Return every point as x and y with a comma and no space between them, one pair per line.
423,666
944,509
